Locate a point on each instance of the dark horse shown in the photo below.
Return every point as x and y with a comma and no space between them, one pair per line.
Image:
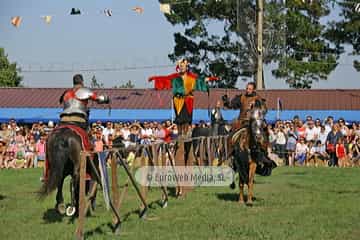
248,148
63,149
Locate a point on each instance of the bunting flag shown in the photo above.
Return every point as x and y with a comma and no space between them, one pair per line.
357,7
165,8
108,12
47,19
16,21
75,11
139,10
104,178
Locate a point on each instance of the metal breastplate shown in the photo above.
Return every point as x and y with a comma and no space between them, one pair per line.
75,106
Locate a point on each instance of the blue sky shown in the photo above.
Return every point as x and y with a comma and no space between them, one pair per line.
92,40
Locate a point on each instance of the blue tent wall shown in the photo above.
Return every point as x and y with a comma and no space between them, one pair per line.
29,115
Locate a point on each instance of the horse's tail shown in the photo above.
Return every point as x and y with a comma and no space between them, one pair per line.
56,155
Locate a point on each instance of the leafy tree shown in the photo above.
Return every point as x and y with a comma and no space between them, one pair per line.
95,84
346,30
293,37
231,53
8,72
310,56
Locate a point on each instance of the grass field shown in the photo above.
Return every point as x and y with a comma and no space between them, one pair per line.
293,203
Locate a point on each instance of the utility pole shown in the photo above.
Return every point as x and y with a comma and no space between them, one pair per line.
260,22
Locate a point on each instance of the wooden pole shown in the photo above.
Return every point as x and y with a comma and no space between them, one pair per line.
260,22
82,197
114,186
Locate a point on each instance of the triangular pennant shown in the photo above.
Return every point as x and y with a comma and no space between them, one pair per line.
75,11
16,21
47,19
165,8
139,10
108,12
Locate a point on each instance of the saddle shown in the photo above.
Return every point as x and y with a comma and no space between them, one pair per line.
85,141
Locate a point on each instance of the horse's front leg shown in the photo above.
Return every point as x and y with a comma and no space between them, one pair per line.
241,192
252,168
60,206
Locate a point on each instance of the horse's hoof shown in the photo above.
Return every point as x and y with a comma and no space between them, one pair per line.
241,202
70,211
61,208
117,230
142,214
165,204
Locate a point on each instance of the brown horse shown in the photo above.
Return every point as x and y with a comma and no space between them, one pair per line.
63,149
248,150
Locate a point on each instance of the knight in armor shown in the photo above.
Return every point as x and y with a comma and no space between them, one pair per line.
75,102
243,102
217,120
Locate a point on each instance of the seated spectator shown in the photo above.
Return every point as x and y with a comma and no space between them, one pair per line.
301,151
317,152
2,152
10,157
356,152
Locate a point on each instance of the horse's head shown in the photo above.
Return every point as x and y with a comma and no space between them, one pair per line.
257,122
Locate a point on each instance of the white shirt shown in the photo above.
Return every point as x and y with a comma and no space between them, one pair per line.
310,134
280,138
125,133
146,131
106,133
301,148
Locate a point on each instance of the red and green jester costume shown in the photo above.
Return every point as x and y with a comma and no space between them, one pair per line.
182,84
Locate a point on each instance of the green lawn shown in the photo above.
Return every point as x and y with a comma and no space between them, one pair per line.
293,203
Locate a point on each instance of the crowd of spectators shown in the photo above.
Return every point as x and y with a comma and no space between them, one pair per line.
334,143
294,141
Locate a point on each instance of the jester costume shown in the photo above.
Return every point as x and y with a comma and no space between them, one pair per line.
183,84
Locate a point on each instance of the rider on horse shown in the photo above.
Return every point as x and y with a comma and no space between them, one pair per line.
244,103
75,102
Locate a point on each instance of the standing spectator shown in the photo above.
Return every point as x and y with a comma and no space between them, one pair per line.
40,153
329,123
322,138
108,130
301,151
159,133
341,152
343,128
30,152
272,137
291,144
117,130
331,141
280,143
301,128
99,141
311,132
134,136
146,133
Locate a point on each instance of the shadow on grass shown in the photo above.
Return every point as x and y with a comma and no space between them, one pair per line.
234,197
2,197
52,216
231,197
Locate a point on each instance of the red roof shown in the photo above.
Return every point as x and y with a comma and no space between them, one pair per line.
329,99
